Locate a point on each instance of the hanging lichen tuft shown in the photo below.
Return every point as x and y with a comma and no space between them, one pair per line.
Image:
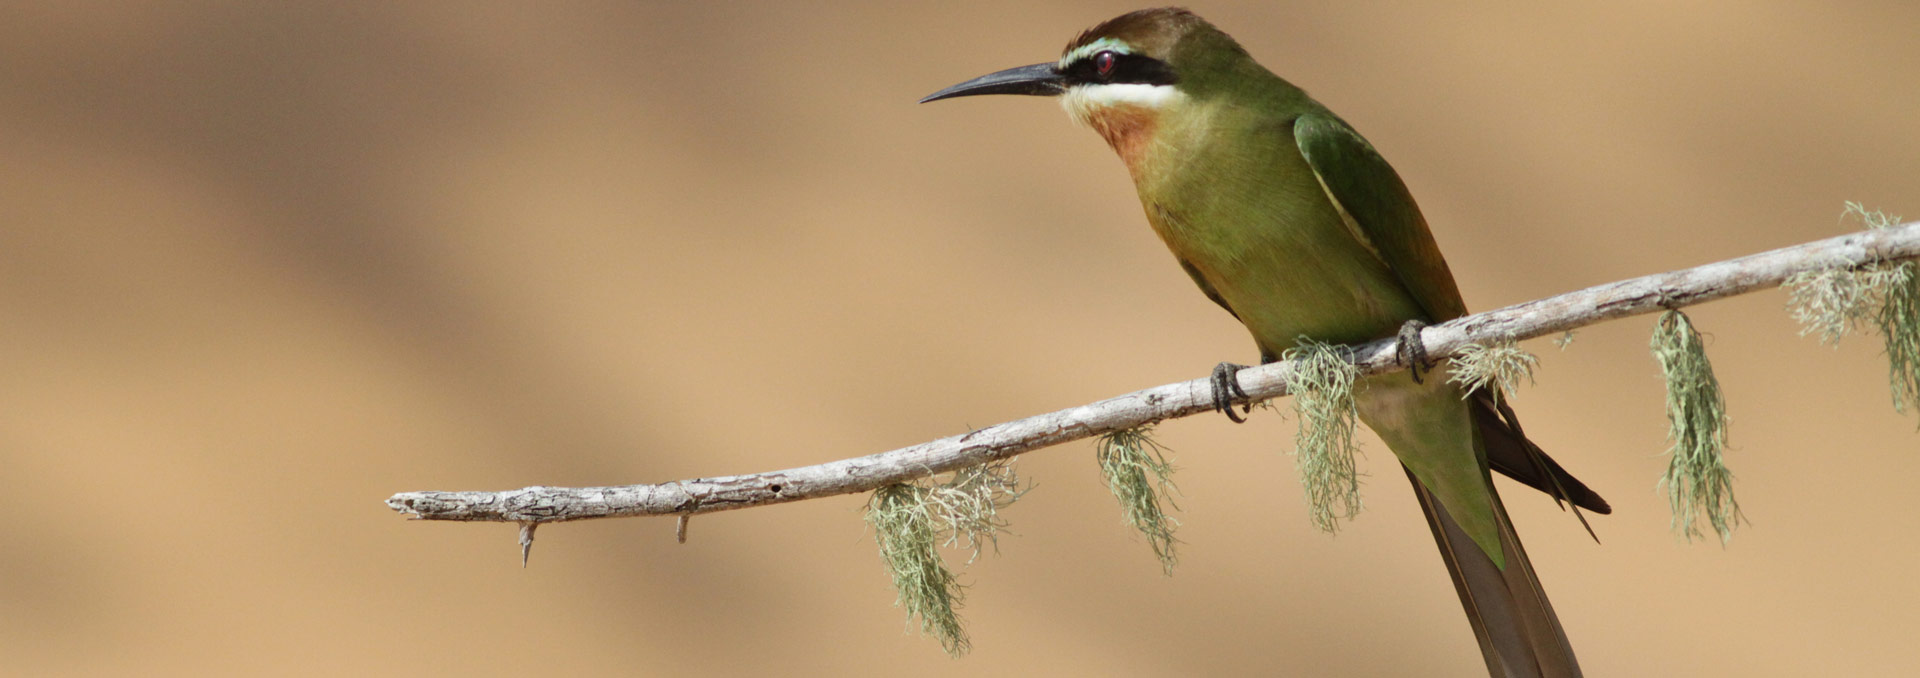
1899,323
1834,300
911,521
1496,368
1141,478
1699,485
1322,385
1897,288
1829,302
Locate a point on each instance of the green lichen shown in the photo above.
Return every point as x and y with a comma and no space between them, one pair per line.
1322,385
1835,300
1140,477
911,521
1496,368
1899,325
1698,482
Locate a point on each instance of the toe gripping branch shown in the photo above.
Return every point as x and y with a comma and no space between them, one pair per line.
1411,350
1226,389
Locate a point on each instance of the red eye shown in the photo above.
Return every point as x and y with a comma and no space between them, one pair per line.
1103,62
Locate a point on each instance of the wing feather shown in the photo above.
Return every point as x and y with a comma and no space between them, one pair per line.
1379,210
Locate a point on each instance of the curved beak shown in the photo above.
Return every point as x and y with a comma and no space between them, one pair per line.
1036,80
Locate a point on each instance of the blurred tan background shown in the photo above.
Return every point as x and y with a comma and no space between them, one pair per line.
263,265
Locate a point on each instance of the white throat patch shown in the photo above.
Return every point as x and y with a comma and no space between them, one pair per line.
1083,101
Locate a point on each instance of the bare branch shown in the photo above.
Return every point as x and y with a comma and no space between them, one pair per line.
861,474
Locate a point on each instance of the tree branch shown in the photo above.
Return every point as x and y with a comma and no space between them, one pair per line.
1527,320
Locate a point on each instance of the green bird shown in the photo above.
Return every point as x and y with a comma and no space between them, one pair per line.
1292,222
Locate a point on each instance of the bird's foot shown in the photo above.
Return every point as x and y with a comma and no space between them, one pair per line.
1226,387
1411,351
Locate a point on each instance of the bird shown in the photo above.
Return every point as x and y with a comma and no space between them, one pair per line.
1291,221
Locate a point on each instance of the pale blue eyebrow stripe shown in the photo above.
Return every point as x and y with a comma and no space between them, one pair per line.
1082,51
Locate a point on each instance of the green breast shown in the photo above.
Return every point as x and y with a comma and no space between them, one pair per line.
1234,199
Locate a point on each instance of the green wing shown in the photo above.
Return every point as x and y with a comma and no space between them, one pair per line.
1378,208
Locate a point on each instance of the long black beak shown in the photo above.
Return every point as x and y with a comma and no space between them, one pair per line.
1037,80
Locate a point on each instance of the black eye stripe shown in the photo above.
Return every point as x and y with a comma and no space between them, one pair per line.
1127,69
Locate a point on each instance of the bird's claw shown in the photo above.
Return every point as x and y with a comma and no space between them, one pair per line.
1412,351
1226,388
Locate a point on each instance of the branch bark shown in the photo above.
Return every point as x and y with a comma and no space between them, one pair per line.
538,504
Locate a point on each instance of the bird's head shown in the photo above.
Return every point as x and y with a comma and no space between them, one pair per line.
1124,77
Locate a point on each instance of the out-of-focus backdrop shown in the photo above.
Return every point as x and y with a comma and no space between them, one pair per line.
264,264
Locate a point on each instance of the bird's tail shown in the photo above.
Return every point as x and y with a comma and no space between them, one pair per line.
1518,632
